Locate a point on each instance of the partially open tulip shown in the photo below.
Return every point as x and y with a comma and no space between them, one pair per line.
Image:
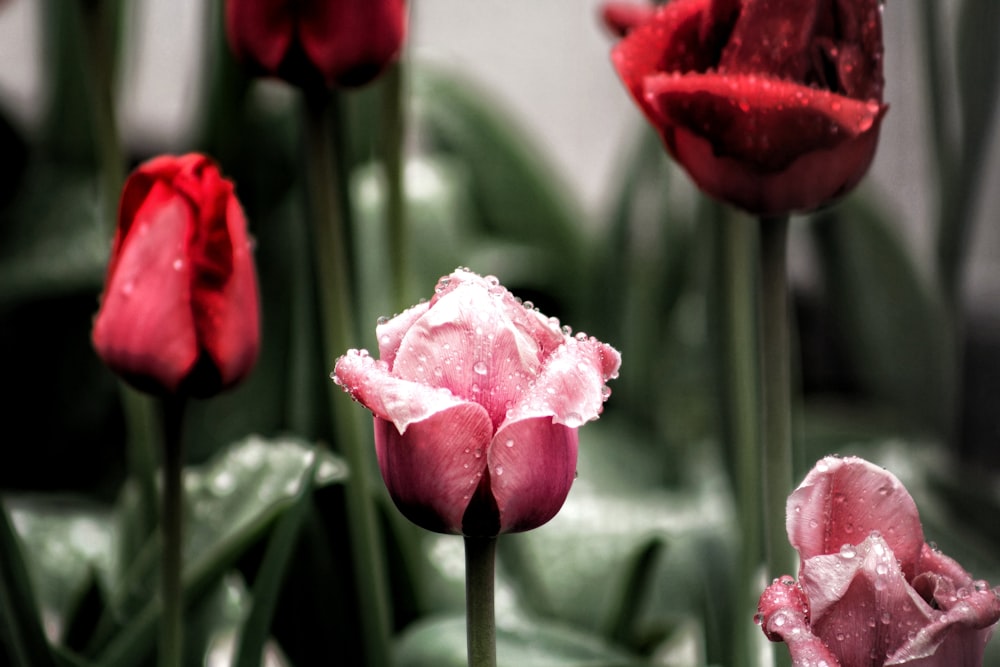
771,105
871,592
477,400
308,42
179,312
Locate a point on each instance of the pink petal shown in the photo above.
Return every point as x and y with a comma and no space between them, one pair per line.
532,467
390,332
570,389
477,342
433,468
956,637
145,329
401,402
842,500
860,601
783,613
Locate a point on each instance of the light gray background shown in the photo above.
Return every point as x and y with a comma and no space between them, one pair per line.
547,62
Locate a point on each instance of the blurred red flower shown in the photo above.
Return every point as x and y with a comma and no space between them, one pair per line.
179,313
477,400
771,105
336,43
871,592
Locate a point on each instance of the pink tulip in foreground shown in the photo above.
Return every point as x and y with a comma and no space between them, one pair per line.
871,592
477,400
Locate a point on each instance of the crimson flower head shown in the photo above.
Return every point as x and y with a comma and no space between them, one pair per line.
871,592
477,400
336,43
771,105
179,313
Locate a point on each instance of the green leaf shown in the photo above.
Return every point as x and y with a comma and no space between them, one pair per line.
978,66
267,584
20,618
441,642
893,324
233,501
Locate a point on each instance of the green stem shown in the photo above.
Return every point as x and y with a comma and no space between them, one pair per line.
393,133
480,616
740,383
327,184
777,400
171,629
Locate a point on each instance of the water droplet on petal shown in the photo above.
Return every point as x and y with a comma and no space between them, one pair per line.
480,367
847,552
178,264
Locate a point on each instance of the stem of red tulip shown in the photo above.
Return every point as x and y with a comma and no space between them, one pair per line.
776,387
480,612
328,189
741,381
172,525
393,131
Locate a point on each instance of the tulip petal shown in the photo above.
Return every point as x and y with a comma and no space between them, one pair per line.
433,468
860,601
783,613
396,400
532,466
842,500
390,332
621,18
772,37
477,342
260,31
570,389
351,41
145,328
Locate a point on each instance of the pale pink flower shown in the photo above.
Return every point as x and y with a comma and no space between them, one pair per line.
871,592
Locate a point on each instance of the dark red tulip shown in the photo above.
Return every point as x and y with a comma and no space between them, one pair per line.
771,105
179,313
317,42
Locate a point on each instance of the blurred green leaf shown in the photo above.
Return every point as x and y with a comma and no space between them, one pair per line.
52,241
517,194
978,66
891,321
267,584
233,500
20,617
441,642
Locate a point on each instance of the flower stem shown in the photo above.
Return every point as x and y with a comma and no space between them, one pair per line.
776,391
480,614
328,189
740,385
393,131
171,629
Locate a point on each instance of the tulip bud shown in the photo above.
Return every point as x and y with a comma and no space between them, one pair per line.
477,401
179,313
336,43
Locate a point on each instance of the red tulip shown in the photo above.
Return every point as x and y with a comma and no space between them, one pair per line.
871,592
333,42
477,400
771,105
179,310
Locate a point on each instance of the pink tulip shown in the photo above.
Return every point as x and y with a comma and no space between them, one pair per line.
871,592
477,400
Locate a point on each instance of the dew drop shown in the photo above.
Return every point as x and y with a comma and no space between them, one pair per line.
480,367
128,288
779,620
499,470
383,319
847,552
178,264
509,443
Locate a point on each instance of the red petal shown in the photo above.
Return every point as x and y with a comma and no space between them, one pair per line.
351,41
621,18
432,470
260,31
842,500
772,37
145,328
532,467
